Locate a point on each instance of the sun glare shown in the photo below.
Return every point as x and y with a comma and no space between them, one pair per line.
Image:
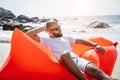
62,7
81,7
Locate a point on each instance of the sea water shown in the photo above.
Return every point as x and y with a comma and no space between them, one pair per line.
76,26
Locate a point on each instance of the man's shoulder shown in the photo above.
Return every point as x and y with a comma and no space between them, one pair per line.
43,38
68,36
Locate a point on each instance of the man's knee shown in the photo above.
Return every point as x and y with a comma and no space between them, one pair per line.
65,55
92,70
91,67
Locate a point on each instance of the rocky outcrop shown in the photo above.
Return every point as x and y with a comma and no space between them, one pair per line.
27,28
6,14
35,20
44,19
12,26
23,19
97,24
9,21
1,22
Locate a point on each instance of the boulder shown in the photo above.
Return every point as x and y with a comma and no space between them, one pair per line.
27,28
44,19
10,26
6,14
23,19
97,24
1,22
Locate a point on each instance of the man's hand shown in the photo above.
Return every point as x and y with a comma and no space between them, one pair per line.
100,48
33,33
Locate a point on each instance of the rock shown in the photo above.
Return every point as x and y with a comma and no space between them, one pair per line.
8,21
27,28
10,26
35,20
55,20
1,22
97,24
6,14
45,19
23,19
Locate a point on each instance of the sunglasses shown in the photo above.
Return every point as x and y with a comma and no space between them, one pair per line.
57,28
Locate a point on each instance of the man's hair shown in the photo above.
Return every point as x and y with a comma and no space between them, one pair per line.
49,23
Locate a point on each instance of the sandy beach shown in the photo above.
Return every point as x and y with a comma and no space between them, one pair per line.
5,49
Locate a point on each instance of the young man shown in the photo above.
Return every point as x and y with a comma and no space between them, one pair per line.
60,46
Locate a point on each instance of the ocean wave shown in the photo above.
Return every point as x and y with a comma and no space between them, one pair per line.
76,26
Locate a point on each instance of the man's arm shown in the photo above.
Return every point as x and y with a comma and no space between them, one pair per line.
86,42
90,43
33,33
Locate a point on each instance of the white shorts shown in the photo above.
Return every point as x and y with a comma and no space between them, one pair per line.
81,62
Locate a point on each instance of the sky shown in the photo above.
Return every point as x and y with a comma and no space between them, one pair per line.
52,8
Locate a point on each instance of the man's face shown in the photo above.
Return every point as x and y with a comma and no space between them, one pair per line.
54,30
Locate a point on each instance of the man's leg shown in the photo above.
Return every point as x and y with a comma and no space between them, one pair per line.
95,72
68,62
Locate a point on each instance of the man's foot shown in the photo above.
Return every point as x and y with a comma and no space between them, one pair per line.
95,72
108,78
